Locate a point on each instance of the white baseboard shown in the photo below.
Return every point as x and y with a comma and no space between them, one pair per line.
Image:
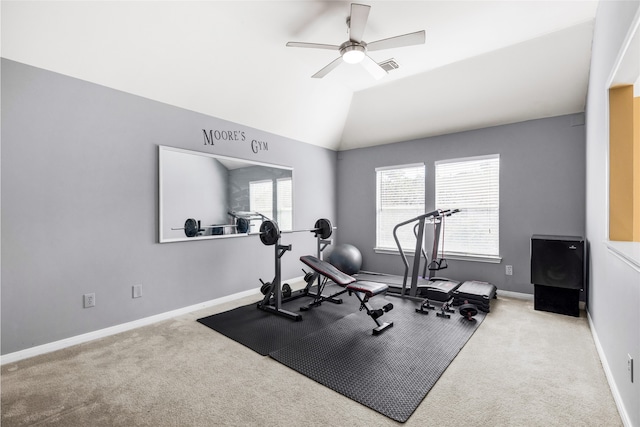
607,372
90,336
516,295
529,297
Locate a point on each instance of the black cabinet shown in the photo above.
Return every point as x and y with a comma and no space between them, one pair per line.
557,273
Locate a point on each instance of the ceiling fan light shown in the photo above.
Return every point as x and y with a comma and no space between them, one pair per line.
353,54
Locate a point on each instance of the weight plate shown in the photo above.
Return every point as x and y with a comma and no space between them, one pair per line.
191,227
265,288
286,290
242,225
323,228
269,232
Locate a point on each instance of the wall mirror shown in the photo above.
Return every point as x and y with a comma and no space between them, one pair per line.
208,196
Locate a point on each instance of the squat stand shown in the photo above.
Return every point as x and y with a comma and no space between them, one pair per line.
272,301
273,298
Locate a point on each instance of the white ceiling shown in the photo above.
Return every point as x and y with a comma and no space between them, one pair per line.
484,63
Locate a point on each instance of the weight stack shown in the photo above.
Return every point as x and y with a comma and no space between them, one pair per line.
477,293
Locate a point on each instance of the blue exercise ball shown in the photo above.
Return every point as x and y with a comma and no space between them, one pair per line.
346,258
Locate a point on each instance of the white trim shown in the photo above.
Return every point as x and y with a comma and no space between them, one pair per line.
476,258
515,295
102,333
528,297
467,159
389,251
635,26
412,165
628,252
623,50
162,149
626,421
458,257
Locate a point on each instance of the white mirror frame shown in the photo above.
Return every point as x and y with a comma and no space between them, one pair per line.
174,232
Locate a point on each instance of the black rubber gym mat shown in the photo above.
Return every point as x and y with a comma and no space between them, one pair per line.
264,332
390,373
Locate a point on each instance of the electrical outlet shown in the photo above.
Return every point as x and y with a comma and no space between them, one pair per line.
508,270
630,366
89,300
136,291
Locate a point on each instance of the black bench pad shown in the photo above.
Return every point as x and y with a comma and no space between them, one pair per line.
370,289
326,269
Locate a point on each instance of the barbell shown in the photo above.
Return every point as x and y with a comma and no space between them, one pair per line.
192,227
270,232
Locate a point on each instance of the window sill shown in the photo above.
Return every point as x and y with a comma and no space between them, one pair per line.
457,257
475,258
387,251
628,251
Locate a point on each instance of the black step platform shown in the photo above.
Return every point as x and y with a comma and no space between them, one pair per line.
440,290
475,292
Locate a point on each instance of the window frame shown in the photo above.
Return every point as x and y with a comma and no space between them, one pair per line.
280,211
378,248
468,255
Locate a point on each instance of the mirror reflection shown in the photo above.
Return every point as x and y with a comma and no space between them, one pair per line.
205,196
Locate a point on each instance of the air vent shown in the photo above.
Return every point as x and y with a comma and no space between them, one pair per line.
389,64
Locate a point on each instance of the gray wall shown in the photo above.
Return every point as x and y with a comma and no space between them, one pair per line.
615,283
80,208
542,191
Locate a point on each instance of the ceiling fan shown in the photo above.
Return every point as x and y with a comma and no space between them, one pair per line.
355,49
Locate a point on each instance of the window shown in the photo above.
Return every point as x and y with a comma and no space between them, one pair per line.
399,197
261,199
285,210
473,186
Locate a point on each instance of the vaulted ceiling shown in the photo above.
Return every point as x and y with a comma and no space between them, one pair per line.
484,63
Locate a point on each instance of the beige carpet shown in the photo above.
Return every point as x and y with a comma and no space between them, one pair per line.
521,368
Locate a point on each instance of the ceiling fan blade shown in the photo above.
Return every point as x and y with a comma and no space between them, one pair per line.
320,74
373,68
410,39
358,21
313,45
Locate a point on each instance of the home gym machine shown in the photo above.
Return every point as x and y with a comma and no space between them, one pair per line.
421,284
428,288
432,288
275,293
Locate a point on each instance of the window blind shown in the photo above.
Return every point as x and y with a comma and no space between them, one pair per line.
261,198
473,186
400,196
285,210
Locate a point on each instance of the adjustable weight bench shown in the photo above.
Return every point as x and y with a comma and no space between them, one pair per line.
364,290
